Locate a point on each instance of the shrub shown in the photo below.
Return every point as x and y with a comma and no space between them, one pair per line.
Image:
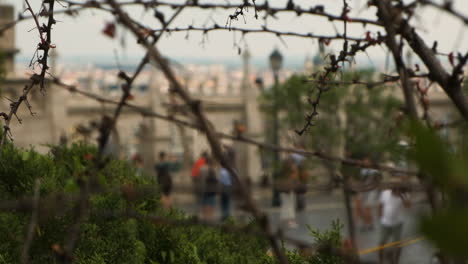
106,236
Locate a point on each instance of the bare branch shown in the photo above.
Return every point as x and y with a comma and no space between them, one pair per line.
388,15
210,134
169,118
32,223
36,79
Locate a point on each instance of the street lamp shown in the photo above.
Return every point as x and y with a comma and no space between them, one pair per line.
276,62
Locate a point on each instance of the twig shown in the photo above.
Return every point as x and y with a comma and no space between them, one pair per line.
324,77
388,16
450,84
38,27
81,214
103,140
107,125
317,10
210,134
264,29
32,223
169,118
36,79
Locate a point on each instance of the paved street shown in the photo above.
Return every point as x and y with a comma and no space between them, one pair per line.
321,210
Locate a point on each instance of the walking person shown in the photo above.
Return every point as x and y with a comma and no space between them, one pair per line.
196,182
365,202
287,185
302,173
137,161
209,179
164,169
392,203
225,179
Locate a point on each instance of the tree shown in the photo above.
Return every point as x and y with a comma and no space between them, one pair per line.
112,231
370,111
394,18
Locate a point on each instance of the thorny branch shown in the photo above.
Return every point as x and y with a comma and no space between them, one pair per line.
32,223
58,201
317,10
321,155
322,79
81,214
264,29
387,15
206,127
127,86
106,127
36,79
450,82
385,80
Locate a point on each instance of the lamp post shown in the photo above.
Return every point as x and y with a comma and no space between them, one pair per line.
276,61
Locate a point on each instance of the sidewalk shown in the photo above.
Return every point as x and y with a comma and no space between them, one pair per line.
322,208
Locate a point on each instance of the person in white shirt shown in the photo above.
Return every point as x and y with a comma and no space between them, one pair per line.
391,205
366,202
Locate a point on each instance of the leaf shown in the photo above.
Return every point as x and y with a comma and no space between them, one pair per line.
435,157
430,152
25,155
109,30
451,59
71,186
171,256
448,230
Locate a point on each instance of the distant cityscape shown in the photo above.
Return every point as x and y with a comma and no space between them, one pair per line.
223,76
128,63
202,76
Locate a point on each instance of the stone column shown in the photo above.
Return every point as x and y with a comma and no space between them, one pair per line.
252,121
7,40
151,131
55,106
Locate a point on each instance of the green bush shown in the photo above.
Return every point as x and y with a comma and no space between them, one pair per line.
106,236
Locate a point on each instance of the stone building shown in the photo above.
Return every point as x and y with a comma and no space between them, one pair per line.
59,114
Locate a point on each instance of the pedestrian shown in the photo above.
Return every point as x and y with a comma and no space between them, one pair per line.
287,184
301,190
137,161
391,205
365,202
164,169
196,183
209,179
275,171
225,179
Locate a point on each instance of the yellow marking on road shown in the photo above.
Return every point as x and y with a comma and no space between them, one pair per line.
412,241
400,243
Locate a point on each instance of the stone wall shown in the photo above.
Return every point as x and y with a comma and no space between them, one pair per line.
7,39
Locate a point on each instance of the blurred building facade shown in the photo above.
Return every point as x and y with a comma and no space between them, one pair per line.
59,116
228,101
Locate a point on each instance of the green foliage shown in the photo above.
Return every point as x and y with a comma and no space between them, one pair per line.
106,236
115,240
361,117
446,168
326,241
197,244
448,230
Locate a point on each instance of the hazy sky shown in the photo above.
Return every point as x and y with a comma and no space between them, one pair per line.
81,36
